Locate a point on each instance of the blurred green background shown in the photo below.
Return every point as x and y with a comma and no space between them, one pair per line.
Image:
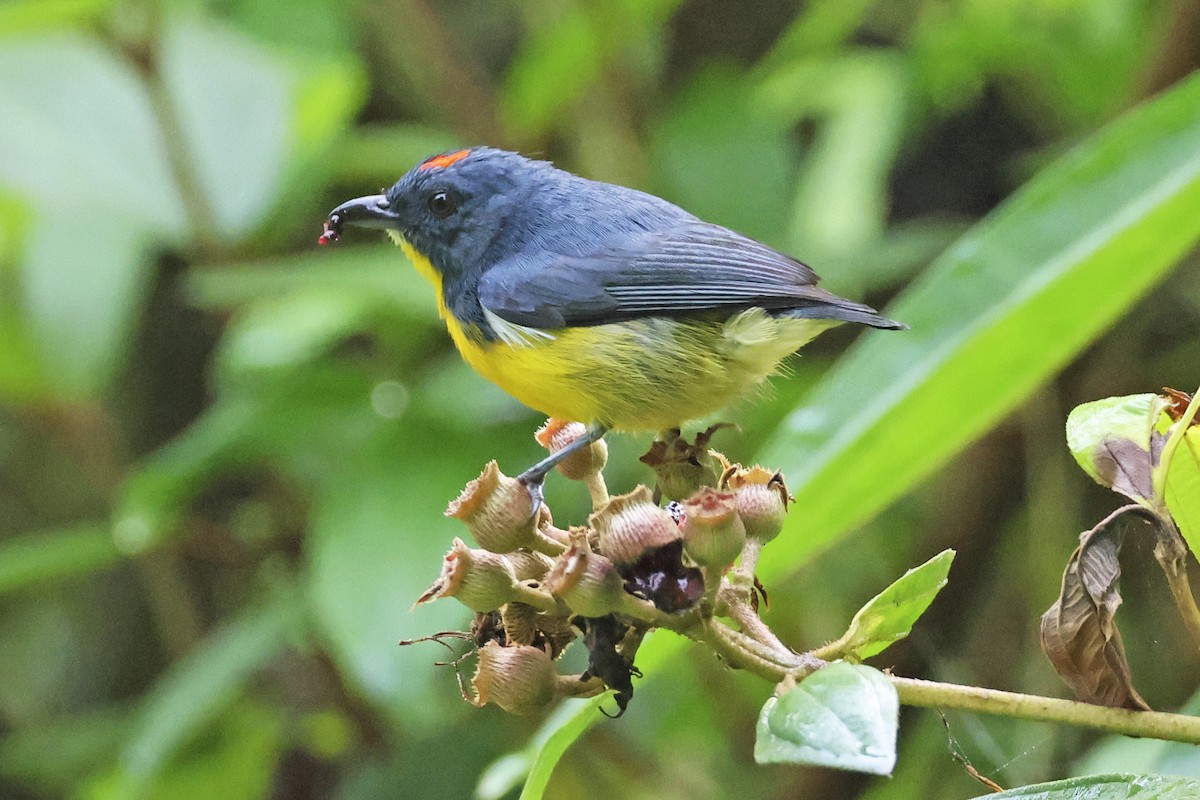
224,454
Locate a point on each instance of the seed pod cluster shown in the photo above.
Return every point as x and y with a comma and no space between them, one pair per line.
635,566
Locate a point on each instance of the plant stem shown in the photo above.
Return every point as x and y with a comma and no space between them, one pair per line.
738,608
744,652
1147,724
749,562
1178,431
542,601
573,686
597,489
1172,555
741,650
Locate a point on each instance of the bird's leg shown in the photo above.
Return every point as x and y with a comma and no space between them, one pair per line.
535,476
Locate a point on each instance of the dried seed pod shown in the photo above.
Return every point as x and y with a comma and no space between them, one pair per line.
587,582
479,579
525,624
520,623
713,533
520,679
499,512
682,467
630,525
557,434
762,500
529,565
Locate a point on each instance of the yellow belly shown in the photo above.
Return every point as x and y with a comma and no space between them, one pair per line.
646,374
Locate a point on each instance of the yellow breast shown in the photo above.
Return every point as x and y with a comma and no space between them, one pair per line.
637,375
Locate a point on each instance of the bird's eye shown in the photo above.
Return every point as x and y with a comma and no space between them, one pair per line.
442,204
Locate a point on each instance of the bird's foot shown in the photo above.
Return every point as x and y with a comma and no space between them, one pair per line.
534,481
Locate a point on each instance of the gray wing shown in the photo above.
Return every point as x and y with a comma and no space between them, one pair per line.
691,269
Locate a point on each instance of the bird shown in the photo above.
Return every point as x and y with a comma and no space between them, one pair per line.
592,302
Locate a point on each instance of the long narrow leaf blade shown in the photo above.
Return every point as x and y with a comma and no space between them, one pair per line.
1004,309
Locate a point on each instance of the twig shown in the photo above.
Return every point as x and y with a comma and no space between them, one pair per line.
1172,555
1148,724
743,652
931,694
736,604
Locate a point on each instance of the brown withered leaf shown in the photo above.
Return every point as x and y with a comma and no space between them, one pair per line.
1079,632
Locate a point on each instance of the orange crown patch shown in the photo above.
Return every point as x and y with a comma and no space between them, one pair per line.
444,161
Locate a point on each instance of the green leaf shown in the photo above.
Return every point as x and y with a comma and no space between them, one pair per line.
236,761
1005,308
20,371
291,310
245,116
307,26
552,70
843,716
289,331
535,762
889,616
1106,787
821,26
255,119
44,557
1111,440
552,741
300,420
1181,489
560,61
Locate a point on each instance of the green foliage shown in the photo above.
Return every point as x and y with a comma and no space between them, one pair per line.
224,455
1178,477
1138,446
1106,787
889,616
842,716
51,556
1125,754
532,766
1100,431
198,689
1002,309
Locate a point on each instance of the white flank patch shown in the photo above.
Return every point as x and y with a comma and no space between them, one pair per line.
516,335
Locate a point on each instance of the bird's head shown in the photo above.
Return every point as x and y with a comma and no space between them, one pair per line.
456,209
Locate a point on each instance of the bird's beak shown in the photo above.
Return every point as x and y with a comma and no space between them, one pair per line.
372,211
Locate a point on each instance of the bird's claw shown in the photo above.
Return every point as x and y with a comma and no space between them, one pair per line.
533,482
